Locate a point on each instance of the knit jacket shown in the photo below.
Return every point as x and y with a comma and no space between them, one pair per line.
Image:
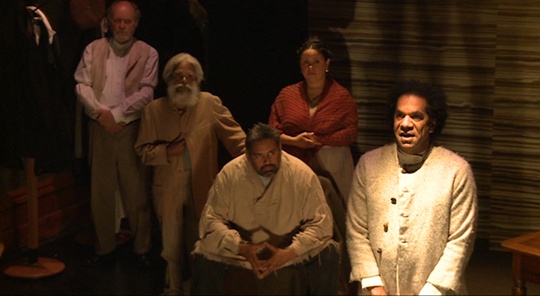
412,228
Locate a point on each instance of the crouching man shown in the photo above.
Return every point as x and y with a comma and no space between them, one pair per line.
266,227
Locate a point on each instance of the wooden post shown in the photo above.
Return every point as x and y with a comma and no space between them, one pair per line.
33,267
33,211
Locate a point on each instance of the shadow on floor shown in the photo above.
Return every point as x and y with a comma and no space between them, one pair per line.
125,277
489,273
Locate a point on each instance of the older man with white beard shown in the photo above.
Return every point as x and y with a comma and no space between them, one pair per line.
179,137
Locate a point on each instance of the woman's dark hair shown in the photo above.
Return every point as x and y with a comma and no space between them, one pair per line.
316,43
436,108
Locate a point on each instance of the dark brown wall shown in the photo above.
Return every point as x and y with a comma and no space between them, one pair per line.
253,53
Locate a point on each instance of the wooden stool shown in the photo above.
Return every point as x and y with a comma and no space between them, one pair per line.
525,260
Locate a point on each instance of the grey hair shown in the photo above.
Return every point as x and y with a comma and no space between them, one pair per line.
261,131
183,58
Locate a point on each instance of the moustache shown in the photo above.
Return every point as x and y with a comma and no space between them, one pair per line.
268,168
180,87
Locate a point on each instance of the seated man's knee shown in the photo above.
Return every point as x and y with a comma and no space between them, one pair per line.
323,274
208,276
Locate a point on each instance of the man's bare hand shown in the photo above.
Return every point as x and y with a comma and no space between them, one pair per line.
264,267
378,290
176,147
279,258
107,121
249,251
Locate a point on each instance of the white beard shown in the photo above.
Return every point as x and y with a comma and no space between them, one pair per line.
183,95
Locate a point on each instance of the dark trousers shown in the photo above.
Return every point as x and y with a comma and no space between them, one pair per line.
318,276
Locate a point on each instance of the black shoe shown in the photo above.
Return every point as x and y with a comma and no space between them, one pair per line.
101,260
145,260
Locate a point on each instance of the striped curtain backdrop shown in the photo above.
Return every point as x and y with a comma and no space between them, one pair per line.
486,56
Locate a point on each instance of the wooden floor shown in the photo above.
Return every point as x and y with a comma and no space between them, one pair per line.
488,273
125,277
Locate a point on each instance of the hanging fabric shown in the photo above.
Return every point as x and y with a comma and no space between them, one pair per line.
41,17
34,121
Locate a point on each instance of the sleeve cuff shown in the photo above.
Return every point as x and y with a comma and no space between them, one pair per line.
429,290
232,243
117,114
373,281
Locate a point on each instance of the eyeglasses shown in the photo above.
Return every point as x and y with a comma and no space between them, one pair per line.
261,156
178,77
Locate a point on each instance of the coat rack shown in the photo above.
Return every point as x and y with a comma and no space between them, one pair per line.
33,267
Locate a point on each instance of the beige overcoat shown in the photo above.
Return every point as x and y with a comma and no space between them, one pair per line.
201,126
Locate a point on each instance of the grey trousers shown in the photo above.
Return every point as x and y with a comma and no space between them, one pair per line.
115,164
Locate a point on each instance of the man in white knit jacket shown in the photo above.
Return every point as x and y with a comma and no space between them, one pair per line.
412,209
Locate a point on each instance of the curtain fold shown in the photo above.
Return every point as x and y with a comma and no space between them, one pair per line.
486,56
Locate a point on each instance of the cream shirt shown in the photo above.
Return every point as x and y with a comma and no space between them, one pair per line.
114,96
294,199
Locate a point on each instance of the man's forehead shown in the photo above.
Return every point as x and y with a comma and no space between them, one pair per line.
184,68
264,150
411,102
123,10
264,146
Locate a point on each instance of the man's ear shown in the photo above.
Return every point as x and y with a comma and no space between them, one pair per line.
432,123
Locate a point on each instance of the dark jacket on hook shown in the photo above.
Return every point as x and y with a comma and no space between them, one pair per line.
34,120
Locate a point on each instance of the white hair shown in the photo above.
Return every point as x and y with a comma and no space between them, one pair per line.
183,59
